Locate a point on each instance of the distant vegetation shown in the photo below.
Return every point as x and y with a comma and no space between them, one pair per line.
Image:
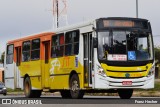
157,54
2,58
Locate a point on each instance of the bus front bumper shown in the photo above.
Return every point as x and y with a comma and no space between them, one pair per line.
114,83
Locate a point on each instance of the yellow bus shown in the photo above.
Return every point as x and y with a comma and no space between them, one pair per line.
103,55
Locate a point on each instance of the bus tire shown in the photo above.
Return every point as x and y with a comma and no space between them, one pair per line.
74,85
29,93
4,94
125,93
37,93
65,94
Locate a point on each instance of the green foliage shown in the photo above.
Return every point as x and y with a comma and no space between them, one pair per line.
156,88
157,53
2,57
12,90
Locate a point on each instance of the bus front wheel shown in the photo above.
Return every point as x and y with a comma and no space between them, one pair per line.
75,90
125,93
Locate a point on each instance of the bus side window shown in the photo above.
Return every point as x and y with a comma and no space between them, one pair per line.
57,45
76,42
61,45
26,51
54,46
72,43
68,43
9,57
35,50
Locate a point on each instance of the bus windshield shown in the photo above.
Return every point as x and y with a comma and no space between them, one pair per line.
124,46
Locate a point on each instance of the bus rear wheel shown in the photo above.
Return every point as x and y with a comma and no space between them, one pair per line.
29,93
37,93
74,85
125,93
65,94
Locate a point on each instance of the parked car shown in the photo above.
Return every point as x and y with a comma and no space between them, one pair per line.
3,89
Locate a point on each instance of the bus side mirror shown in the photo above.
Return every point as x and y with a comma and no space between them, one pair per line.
95,42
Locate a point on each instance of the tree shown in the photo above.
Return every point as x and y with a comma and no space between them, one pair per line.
157,53
2,57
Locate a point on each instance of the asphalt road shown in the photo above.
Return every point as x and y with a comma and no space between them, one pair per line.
56,99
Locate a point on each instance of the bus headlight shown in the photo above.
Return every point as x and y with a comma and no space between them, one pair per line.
151,72
101,71
4,88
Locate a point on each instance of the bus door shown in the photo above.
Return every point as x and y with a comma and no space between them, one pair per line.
46,63
88,58
9,67
17,71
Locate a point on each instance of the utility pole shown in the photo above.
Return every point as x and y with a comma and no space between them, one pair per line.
136,8
60,12
57,14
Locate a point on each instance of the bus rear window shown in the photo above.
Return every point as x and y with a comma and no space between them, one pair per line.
9,57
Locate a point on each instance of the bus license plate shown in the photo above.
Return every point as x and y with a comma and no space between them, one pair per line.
127,83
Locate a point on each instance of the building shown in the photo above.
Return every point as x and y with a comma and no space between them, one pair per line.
2,74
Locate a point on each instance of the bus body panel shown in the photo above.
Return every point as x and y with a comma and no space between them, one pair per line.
33,69
9,76
60,69
133,72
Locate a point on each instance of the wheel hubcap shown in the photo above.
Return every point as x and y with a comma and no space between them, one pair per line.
74,86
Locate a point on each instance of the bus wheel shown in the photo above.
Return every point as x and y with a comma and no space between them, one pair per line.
27,88
125,93
65,94
37,93
4,94
74,84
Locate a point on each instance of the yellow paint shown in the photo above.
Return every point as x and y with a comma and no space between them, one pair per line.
61,68
54,75
125,70
33,69
36,82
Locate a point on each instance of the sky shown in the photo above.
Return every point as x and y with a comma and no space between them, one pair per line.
19,18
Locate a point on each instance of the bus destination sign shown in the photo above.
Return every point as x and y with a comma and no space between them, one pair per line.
118,23
105,23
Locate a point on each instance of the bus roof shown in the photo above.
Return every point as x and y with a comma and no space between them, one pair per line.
123,18
58,30
72,27
33,36
91,22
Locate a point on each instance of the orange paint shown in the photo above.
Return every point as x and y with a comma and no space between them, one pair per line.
44,37
1,75
30,37
66,62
